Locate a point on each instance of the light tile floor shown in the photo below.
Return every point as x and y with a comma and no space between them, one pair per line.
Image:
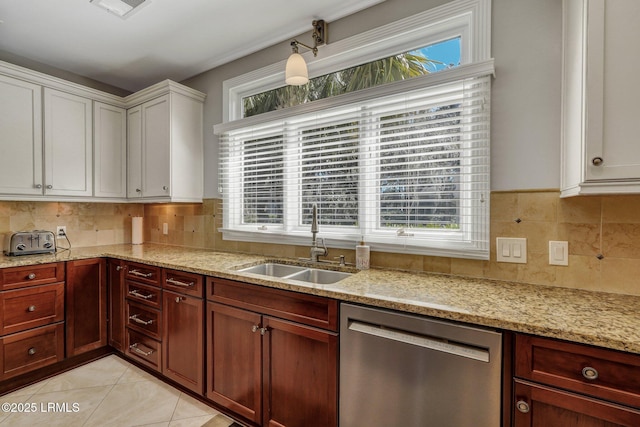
106,392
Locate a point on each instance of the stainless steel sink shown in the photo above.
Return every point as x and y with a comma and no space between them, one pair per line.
323,277
272,269
295,272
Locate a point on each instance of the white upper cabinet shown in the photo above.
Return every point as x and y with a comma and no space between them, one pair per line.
20,137
600,111
68,144
109,151
165,137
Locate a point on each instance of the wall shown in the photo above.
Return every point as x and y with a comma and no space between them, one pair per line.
88,224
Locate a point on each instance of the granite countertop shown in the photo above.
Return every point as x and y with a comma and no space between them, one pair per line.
598,318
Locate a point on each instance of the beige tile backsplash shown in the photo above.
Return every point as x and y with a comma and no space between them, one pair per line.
88,224
603,234
598,225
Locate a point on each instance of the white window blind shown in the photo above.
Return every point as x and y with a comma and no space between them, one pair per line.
406,167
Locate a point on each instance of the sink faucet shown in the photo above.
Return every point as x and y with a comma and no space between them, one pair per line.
316,250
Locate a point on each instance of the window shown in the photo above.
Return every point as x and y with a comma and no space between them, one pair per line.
404,165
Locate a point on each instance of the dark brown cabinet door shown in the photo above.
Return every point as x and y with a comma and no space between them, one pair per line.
300,375
116,304
540,406
86,298
234,360
183,340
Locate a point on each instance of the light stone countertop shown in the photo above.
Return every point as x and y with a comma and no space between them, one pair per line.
598,318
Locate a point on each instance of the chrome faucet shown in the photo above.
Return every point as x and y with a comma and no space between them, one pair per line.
316,250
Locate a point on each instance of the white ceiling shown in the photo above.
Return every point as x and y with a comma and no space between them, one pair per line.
173,39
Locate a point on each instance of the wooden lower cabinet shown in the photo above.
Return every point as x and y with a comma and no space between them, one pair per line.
300,375
116,289
183,340
541,406
86,310
31,349
268,370
561,384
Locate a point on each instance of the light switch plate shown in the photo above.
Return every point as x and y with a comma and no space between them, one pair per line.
511,249
558,252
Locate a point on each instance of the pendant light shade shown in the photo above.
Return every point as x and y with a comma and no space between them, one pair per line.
296,72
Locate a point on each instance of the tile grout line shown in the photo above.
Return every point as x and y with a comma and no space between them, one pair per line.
98,405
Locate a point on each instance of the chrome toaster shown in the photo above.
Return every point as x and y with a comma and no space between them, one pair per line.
29,243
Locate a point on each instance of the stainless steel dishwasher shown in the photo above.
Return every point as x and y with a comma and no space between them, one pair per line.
411,371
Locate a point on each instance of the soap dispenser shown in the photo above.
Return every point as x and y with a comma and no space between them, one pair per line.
362,255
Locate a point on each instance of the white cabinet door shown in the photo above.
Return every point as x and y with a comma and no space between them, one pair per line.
20,137
110,151
134,150
68,147
156,167
600,148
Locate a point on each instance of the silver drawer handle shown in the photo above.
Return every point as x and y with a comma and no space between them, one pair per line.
590,373
32,351
137,273
135,293
31,276
31,308
522,406
134,347
173,281
136,319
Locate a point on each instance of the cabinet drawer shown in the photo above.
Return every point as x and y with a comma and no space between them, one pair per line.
143,273
26,351
33,275
306,309
31,307
149,295
144,319
144,349
182,282
597,372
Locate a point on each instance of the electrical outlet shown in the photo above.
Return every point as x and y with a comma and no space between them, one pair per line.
61,230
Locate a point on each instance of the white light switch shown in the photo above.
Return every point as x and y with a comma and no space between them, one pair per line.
558,253
511,249
165,228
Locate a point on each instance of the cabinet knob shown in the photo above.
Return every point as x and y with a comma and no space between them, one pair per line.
32,351
118,267
597,161
165,188
589,373
49,187
522,406
31,276
178,299
255,328
31,308
38,186
138,190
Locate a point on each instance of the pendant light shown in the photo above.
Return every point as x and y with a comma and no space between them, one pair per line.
296,72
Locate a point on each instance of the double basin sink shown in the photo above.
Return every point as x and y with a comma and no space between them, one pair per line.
296,272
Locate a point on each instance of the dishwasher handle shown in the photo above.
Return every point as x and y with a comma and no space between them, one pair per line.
434,343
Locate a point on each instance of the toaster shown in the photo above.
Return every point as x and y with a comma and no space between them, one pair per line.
29,243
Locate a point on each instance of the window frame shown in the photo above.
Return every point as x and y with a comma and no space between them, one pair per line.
467,19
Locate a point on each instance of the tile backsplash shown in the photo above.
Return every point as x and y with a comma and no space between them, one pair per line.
88,224
603,234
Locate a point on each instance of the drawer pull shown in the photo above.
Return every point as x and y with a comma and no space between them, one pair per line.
522,406
135,293
31,308
31,276
178,299
173,281
32,351
139,274
136,319
118,267
590,373
134,347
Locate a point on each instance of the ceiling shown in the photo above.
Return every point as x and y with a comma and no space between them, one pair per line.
162,39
